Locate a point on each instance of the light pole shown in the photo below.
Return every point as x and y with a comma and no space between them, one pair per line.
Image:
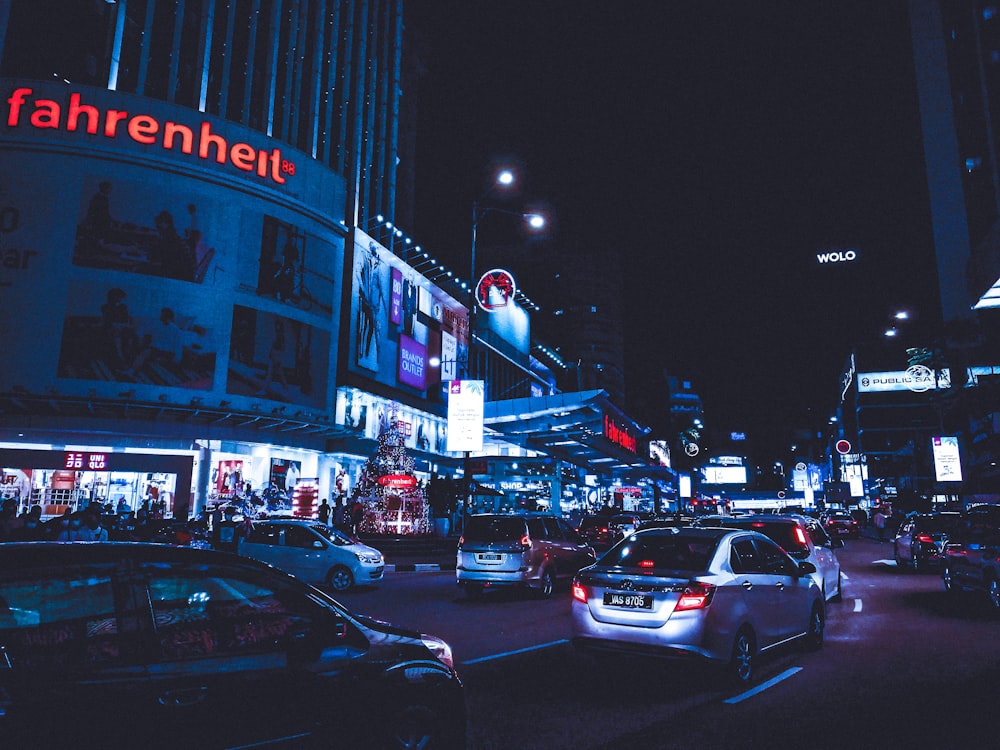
504,179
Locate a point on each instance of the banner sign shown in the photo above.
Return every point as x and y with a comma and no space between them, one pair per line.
947,460
465,415
916,379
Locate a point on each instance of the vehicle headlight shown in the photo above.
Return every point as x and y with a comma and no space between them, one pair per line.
440,649
370,558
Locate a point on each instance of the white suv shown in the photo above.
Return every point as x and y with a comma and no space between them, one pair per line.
313,552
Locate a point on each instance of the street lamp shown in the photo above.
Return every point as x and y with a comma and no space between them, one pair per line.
504,179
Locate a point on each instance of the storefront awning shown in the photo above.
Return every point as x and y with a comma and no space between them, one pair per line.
572,427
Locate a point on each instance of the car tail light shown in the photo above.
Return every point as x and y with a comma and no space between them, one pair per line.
695,596
525,543
926,538
647,564
461,541
800,536
579,592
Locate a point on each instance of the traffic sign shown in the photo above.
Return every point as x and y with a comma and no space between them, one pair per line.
843,446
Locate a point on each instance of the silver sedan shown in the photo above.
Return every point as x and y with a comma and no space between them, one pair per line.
719,595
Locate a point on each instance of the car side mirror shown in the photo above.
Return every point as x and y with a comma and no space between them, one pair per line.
317,544
806,568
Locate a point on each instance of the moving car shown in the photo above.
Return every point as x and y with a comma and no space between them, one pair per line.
623,524
921,538
972,563
532,550
841,525
122,645
313,552
720,595
595,531
801,537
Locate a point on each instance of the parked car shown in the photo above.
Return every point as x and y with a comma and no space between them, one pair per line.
841,525
801,537
596,531
162,647
921,538
532,550
313,552
973,563
722,595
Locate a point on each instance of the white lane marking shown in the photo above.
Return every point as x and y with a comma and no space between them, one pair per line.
518,651
857,605
763,686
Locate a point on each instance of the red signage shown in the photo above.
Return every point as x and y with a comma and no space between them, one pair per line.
619,434
145,129
843,446
397,481
495,290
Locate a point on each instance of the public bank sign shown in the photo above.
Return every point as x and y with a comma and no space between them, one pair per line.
916,379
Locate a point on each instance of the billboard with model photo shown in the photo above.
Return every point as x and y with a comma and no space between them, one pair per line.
399,320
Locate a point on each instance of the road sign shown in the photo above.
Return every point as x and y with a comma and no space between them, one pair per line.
843,447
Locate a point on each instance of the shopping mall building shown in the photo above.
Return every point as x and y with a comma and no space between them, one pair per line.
192,296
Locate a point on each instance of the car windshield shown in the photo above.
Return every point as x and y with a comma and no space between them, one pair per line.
662,552
494,528
337,537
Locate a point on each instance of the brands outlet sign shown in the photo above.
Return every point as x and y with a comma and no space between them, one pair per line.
917,379
24,109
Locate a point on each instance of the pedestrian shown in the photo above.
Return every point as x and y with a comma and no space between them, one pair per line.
357,516
339,508
323,514
879,521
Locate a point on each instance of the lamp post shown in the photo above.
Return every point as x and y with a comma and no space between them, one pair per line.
504,179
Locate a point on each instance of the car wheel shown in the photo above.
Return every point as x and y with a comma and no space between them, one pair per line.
742,662
548,584
340,578
993,590
817,624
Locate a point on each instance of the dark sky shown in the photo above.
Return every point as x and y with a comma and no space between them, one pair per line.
720,147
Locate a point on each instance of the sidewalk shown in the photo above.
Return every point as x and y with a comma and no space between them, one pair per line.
415,554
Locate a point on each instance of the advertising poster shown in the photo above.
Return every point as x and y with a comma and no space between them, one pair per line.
275,357
465,415
134,333
294,266
400,320
947,459
285,474
136,227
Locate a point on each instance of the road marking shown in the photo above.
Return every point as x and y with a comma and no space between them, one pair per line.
763,686
857,605
513,653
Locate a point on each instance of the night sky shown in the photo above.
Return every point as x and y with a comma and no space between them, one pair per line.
719,147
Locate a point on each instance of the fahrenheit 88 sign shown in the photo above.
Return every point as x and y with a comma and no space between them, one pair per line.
495,290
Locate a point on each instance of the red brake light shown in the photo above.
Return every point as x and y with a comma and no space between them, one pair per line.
925,538
461,541
695,596
525,542
579,593
646,564
800,536
758,524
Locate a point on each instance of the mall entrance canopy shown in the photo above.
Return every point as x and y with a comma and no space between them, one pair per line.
583,428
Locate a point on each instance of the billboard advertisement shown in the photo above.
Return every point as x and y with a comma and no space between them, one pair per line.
916,379
465,415
400,320
947,459
147,257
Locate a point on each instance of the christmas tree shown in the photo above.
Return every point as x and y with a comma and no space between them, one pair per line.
394,500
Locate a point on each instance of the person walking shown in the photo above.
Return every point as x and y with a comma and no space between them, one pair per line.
879,521
339,510
323,514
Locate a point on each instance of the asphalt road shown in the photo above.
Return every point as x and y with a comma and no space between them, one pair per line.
904,666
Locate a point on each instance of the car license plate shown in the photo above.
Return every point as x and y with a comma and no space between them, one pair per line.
489,557
628,601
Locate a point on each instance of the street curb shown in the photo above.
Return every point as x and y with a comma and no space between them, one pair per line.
417,567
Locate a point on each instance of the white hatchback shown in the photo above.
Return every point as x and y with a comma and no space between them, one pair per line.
313,552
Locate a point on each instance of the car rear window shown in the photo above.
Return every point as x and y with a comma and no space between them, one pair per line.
781,532
494,528
662,552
